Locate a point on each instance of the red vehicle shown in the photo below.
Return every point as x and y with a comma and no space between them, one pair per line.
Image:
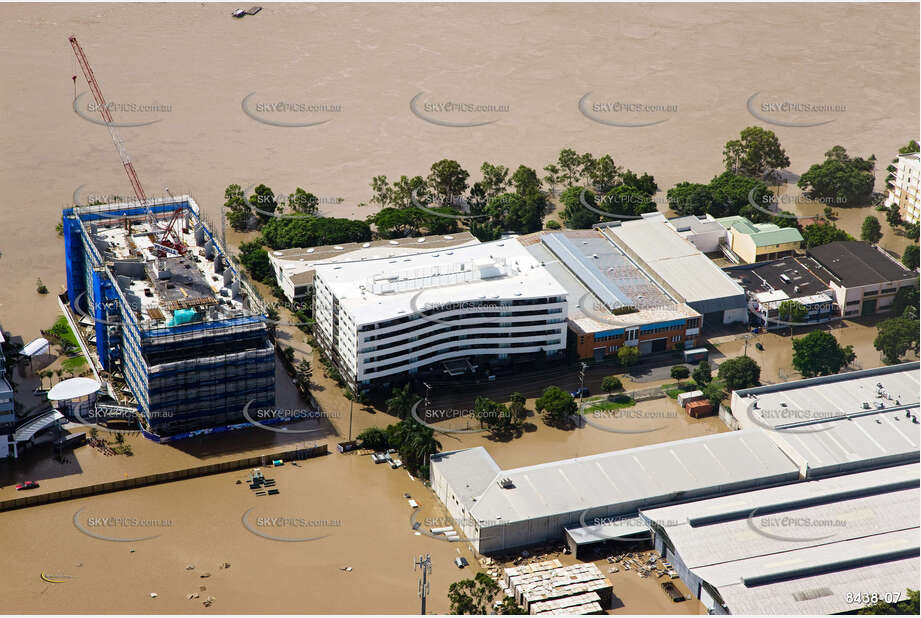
27,485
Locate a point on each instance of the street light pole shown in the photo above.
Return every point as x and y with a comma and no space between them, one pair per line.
582,383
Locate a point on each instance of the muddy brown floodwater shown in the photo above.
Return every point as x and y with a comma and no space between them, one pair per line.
194,65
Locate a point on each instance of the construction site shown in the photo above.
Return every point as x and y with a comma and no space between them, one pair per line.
179,336
171,327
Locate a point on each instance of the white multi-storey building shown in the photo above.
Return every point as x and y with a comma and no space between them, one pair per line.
441,312
905,192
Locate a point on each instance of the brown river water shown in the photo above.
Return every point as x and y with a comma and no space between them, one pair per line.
358,67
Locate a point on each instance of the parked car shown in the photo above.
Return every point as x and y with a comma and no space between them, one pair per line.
26,485
580,392
461,562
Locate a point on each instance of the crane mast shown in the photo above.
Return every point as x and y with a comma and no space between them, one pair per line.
113,130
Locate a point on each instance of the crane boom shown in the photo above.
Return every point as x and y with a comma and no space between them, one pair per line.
113,130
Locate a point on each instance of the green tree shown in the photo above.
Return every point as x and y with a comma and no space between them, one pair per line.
740,372
871,231
263,202
553,177
302,202
303,373
492,414
645,183
238,211
609,384
910,257
628,355
553,224
845,180
284,233
905,302
895,337
417,445
791,311
448,181
398,222
473,596
714,392
894,216
495,179
702,373
256,261
525,180
575,214
755,153
818,353
680,372
401,401
603,173
409,192
556,405
40,287
516,408
373,438
569,164
381,191
818,234
627,201
688,198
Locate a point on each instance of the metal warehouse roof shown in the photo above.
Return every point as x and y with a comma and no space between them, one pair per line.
888,563
804,514
683,267
620,481
833,423
782,549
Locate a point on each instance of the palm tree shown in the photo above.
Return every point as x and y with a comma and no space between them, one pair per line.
401,401
418,444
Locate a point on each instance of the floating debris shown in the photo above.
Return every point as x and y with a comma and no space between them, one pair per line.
154,595
189,567
205,574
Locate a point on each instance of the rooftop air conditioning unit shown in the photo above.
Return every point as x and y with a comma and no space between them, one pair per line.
506,483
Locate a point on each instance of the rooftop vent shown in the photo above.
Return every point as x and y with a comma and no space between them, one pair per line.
506,483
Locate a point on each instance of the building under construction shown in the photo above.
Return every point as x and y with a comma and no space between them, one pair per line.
177,329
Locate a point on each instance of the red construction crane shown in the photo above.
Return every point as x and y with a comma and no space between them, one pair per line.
103,107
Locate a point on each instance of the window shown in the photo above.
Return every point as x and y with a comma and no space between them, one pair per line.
853,302
871,293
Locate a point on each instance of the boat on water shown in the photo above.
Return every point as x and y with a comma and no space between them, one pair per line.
240,13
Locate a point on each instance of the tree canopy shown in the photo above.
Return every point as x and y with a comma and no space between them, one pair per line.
755,153
819,354
840,179
740,372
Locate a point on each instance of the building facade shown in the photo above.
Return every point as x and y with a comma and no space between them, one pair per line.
863,278
181,328
760,242
905,192
441,312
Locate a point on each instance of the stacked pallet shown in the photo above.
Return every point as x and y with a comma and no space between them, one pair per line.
556,583
530,569
581,604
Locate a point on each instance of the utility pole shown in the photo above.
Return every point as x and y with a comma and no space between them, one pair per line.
582,369
425,564
351,403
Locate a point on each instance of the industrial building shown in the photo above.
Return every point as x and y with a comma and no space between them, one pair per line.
797,278
839,423
504,509
7,406
679,267
759,242
906,188
805,548
863,277
791,432
176,329
294,268
612,301
703,231
439,312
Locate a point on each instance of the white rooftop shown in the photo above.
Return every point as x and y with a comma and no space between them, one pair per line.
730,541
833,422
377,290
73,388
688,271
622,480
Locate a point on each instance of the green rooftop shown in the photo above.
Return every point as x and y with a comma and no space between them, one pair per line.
763,234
